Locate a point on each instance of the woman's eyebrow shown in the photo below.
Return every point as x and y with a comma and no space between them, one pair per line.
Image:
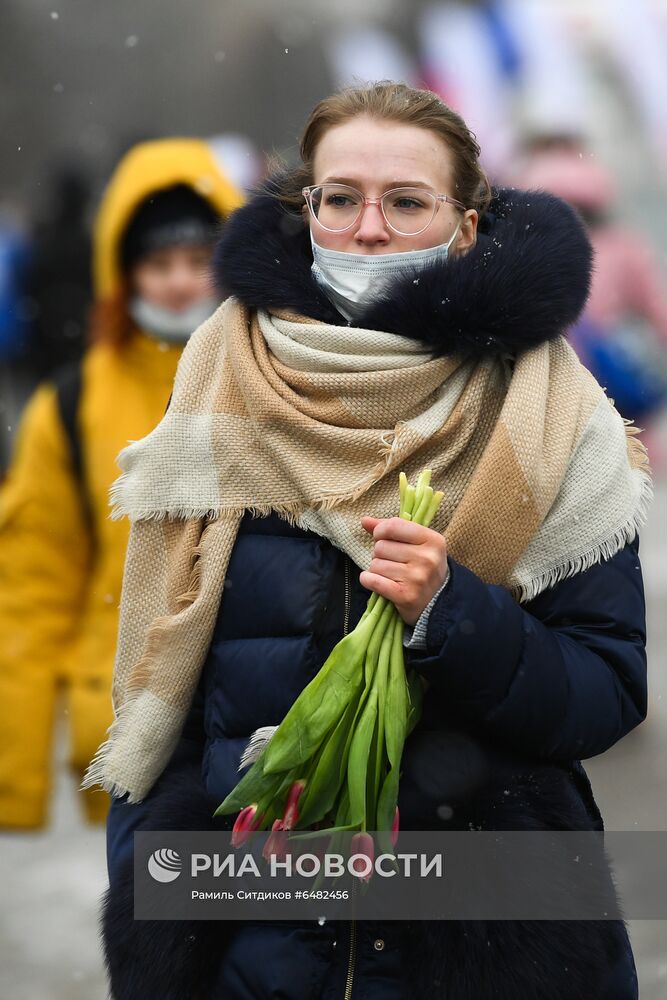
352,182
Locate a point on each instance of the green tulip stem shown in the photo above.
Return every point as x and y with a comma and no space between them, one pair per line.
432,510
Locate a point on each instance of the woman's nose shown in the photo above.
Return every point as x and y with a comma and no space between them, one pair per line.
372,227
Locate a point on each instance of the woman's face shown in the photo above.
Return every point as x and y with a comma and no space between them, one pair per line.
174,278
375,156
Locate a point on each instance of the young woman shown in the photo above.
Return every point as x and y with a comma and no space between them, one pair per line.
389,312
61,558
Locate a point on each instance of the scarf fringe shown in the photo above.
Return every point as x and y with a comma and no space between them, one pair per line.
96,772
120,730
637,450
291,511
599,553
194,579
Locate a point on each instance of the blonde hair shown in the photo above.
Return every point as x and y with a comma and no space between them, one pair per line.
394,102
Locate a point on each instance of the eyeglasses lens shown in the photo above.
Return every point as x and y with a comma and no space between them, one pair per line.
407,210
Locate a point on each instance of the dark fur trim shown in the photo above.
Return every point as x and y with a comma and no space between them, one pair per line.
459,960
525,281
527,959
169,959
491,788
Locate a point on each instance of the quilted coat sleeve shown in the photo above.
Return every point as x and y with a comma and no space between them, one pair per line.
562,677
44,560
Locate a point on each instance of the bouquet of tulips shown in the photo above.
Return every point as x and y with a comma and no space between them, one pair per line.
332,765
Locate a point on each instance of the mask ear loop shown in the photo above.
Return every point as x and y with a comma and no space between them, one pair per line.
456,233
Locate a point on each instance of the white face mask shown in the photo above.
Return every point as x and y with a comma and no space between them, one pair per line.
351,279
167,324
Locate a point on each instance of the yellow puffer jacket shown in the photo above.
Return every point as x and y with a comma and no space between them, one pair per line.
61,557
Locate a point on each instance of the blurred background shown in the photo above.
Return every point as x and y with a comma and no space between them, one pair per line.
565,95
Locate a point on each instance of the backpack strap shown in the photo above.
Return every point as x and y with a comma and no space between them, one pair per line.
68,382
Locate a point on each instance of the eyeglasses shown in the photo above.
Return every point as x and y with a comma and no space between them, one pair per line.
407,211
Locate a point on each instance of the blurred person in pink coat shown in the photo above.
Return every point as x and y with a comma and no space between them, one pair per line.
622,336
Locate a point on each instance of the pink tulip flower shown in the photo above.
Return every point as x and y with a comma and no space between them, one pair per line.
246,821
291,814
394,829
362,843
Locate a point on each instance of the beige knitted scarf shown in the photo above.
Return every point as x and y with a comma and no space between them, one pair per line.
272,412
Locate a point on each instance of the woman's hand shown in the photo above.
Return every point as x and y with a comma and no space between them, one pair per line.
409,564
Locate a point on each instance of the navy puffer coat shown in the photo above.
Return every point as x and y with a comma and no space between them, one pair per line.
518,696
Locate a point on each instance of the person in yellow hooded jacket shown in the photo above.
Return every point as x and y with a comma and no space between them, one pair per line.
61,557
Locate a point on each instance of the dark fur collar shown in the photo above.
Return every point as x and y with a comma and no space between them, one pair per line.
525,281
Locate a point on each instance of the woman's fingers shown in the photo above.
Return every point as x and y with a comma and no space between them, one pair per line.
400,552
402,595
382,586
396,538
386,567
397,529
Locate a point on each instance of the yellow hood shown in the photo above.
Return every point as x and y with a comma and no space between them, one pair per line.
150,167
